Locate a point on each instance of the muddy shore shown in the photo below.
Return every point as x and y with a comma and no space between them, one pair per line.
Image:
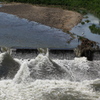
53,17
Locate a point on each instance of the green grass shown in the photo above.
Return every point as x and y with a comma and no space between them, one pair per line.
94,29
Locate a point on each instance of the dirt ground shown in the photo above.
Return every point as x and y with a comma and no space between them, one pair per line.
53,17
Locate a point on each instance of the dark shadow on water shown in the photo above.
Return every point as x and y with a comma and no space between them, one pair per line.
88,54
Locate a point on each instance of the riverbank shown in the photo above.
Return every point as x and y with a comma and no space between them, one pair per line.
53,17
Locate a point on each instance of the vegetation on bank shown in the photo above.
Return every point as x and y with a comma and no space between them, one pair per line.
81,6
95,29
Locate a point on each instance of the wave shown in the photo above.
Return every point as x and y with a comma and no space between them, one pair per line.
45,79
49,90
8,66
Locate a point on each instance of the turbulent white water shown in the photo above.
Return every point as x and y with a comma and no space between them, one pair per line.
45,79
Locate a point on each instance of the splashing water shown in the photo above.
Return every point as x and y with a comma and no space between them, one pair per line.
45,79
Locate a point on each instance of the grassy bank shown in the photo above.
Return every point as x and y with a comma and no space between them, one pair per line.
92,6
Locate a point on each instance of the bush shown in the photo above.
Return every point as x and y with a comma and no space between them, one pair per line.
82,23
94,29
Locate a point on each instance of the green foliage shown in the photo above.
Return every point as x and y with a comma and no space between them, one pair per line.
94,29
90,5
87,21
82,23
82,11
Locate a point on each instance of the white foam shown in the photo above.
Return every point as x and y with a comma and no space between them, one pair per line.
47,90
22,74
23,87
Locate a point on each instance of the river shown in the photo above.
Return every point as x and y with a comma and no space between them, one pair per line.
22,33
42,77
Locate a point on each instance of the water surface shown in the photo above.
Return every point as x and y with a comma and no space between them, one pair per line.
21,33
83,29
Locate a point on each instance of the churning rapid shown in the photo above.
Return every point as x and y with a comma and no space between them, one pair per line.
45,79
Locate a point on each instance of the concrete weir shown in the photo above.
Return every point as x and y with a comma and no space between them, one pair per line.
53,53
